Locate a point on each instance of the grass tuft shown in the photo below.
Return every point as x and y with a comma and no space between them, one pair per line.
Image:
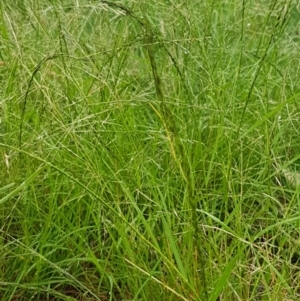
149,150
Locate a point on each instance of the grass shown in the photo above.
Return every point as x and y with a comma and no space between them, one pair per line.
149,150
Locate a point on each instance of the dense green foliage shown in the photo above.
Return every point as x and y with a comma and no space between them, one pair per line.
149,150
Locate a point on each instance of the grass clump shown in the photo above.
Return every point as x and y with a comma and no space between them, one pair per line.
150,151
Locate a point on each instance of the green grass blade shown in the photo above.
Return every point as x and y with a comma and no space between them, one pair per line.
222,281
21,186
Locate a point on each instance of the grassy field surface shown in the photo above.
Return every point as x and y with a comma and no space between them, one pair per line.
150,150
